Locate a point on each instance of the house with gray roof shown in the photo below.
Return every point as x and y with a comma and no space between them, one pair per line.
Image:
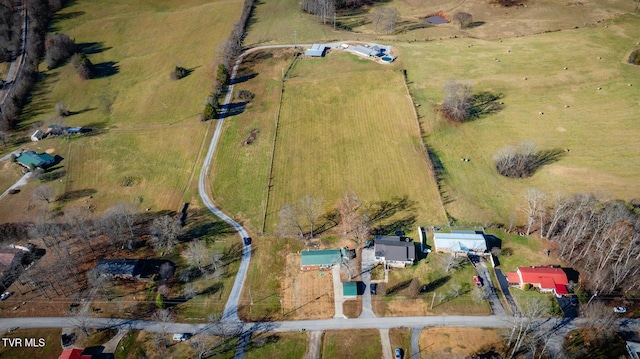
469,242
395,251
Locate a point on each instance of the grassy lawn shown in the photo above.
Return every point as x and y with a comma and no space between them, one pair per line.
345,132
50,350
137,344
280,345
431,273
598,127
146,126
265,291
520,251
362,343
547,301
9,173
241,171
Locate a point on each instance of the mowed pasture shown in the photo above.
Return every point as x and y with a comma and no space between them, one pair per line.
347,125
596,128
276,21
147,136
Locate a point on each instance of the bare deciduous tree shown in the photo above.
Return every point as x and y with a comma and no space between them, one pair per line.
164,233
43,193
196,254
463,18
311,210
457,100
522,324
289,223
534,207
384,19
190,291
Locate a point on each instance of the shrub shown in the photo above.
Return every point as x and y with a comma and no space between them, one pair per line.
178,73
61,110
527,286
245,95
82,65
222,75
634,58
463,18
59,47
211,108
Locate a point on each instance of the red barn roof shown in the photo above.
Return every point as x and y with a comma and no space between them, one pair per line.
547,277
73,354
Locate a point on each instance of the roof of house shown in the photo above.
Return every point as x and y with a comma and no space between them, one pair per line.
547,277
316,50
394,248
7,256
513,277
73,354
349,289
321,257
561,289
460,241
29,158
122,267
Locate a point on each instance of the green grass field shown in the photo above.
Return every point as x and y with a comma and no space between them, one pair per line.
362,343
281,345
50,350
351,131
598,127
146,126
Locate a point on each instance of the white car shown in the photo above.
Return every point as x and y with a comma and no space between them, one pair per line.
620,309
180,337
5,295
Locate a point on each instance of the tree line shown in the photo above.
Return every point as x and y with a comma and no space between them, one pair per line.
599,237
39,12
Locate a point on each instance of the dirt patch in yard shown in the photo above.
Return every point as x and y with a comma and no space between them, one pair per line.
460,342
306,295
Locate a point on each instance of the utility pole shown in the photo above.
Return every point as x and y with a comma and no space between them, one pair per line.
295,39
433,300
334,21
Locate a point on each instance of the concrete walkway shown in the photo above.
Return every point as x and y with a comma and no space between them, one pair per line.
338,298
415,342
368,261
314,346
386,344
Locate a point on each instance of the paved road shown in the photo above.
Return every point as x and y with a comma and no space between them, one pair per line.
504,286
490,290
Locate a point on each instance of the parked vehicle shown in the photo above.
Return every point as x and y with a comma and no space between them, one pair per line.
180,337
5,295
620,309
477,280
398,353
374,288
247,241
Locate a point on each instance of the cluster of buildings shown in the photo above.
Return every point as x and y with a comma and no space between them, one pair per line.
400,252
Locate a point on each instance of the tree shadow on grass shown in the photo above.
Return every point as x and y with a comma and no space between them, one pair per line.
474,24
89,48
73,195
392,215
233,109
243,78
433,285
485,103
105,69
398,287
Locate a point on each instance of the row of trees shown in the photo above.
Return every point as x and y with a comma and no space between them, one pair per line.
40,12
58,48
324,10
601,238
9,37
384,19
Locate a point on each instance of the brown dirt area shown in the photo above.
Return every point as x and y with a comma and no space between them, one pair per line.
306,295
459,342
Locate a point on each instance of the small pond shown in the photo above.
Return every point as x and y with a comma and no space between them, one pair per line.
436,20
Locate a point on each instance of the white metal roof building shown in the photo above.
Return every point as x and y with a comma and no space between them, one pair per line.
460,241
316,50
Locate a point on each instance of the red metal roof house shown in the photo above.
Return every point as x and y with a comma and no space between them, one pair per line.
548,279
73,354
